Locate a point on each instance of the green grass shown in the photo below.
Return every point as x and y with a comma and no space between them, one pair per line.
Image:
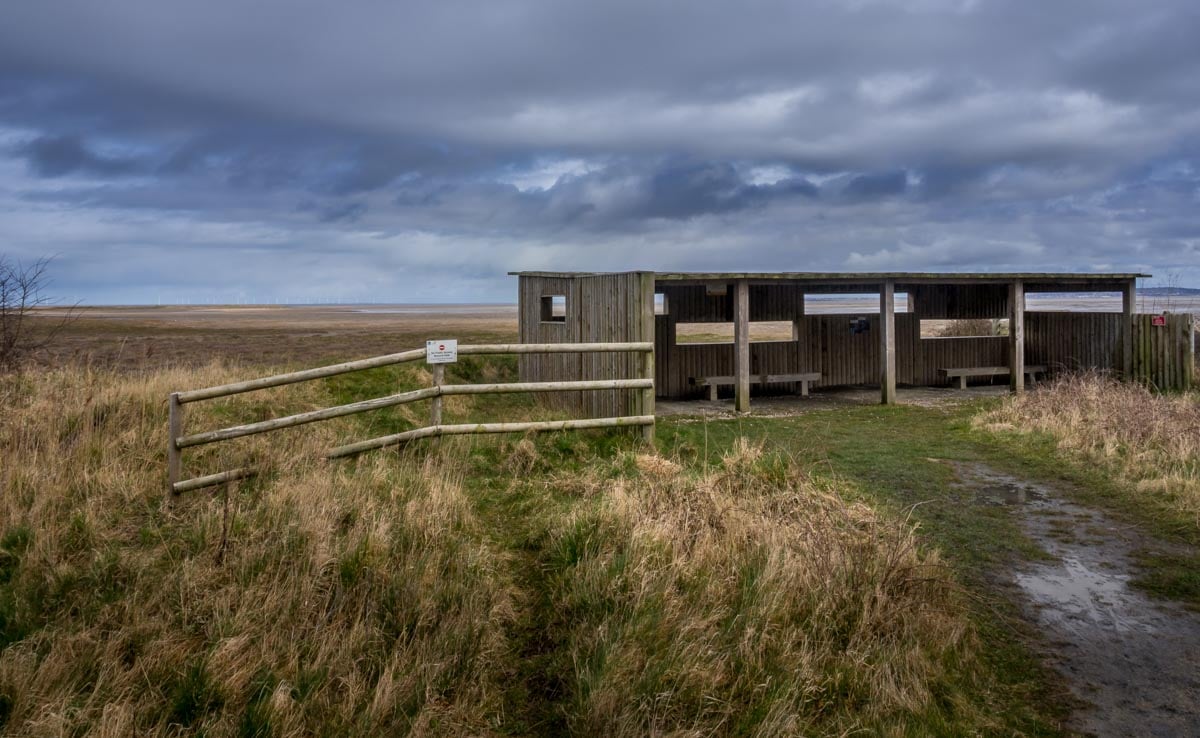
891,457
596,591
1170,575
894,457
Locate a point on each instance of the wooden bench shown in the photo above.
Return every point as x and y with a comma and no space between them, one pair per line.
804,379
1031,370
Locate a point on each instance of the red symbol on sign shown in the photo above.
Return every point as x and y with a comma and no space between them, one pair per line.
441,347
1158,320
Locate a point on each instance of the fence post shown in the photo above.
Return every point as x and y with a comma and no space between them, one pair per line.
435,406
648,395
1189,351
647,331
174,430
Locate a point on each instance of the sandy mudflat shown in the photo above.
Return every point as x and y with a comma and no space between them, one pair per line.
143,336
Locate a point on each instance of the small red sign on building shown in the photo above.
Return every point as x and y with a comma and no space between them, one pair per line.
1158,320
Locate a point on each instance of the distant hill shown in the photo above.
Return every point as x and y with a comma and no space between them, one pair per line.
1169,291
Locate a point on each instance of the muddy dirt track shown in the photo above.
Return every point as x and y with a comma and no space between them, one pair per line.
1134,662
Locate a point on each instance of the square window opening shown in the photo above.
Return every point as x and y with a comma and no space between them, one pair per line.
554,309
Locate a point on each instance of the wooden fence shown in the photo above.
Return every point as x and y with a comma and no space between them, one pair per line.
1164,350
641,415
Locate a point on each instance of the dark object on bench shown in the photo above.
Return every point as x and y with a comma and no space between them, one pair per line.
1031,370
713,382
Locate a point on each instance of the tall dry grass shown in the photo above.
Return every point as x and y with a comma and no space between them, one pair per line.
349,599
1150,440
392,596
752,599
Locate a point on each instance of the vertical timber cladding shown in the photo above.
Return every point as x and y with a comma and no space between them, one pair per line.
1074,341
614,308
600,308
1082,341
958,301
1163,355
549,367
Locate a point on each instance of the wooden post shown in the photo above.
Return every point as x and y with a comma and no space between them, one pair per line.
1016,336
887,342
1128,306
1189,352
174,430
435,406
647,358
741,346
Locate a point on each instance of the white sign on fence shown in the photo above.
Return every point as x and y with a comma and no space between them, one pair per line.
441,352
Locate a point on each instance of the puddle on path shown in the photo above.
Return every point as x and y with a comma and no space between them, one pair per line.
1134,660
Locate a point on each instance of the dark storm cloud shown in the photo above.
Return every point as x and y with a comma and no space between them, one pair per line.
54,156
468,138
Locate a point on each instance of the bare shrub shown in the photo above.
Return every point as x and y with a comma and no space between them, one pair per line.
751,596
1151,440
22,292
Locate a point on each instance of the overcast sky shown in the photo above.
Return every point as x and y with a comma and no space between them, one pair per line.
412,151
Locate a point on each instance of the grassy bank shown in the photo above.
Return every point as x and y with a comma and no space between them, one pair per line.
1137,453
1150,442
568,583
348,599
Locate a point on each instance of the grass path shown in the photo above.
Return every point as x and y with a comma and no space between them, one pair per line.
897,457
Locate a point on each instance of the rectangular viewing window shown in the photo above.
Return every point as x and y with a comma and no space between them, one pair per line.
760,331
965,328
660,303
554,309
867,303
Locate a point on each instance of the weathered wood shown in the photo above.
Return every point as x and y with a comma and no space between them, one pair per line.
435,405
741,346
556,348
212,480
1016,336
887,342
174,430
479,428
646,406
378,361
290,421
572,386
1031,370
988,371
301,376
803,378
1128,306
1189,352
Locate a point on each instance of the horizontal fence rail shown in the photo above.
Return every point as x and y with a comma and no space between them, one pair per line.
453,430
178,441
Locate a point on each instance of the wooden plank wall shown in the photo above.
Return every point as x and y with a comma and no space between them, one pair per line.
824,343
1073,341
602,308
691,303
610,310
1163,354
956,301
531,329
957,353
